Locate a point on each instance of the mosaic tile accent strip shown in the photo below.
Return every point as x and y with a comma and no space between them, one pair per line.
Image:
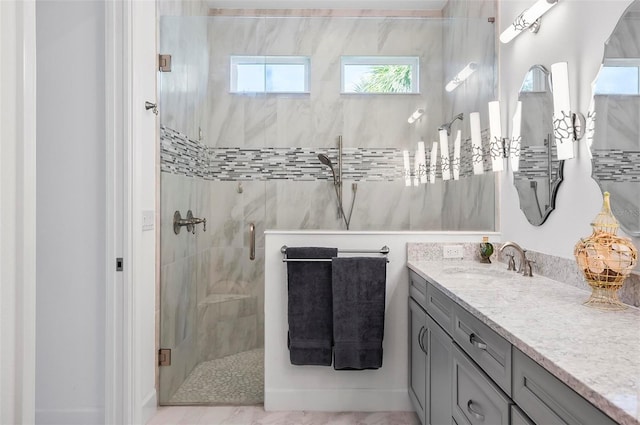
183,156
616,165
231,380
534,163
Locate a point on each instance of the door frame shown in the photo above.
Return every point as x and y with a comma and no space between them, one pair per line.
128,364
18,211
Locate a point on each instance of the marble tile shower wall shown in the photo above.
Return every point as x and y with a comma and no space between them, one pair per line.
206,277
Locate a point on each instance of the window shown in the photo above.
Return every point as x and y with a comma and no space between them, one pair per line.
621,76
380,74
270,74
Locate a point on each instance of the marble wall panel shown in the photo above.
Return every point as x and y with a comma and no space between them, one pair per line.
183,90
379,205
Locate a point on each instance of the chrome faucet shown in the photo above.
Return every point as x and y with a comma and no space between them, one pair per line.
525,264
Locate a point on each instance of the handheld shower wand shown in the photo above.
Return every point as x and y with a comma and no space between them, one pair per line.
337,185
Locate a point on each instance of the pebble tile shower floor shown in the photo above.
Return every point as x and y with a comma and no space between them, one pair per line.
232,380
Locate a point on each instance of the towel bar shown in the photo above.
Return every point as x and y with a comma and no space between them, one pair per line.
383,251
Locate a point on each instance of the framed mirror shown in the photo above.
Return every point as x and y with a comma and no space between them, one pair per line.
613,128
538,173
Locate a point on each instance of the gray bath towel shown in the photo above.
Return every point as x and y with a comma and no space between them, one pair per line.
310,309
359,286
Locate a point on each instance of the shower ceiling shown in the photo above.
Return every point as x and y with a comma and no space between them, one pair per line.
329,4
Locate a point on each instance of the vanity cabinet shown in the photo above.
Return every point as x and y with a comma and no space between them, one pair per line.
430,352
463,372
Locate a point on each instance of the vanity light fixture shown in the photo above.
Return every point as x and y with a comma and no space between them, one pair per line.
461,76
496,147
407,168
563,119
527,19
455,164
444,155
516,138
476,143
422,163
416,116
432,164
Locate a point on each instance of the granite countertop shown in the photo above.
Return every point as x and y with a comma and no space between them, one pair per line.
596,353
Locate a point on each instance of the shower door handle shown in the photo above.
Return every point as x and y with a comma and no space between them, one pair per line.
252,241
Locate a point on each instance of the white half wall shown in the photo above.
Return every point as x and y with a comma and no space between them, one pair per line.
573,31
320,388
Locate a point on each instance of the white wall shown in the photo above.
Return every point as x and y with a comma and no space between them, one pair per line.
71,197
320,388
574,31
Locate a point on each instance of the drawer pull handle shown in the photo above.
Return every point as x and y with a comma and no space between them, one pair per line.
477,342
479,416
423,330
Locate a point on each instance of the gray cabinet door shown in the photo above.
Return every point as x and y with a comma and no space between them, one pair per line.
440,374
418,359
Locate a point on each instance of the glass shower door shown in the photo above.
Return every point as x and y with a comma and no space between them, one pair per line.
211,292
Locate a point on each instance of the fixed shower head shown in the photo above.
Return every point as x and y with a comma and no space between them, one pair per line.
447,126
326,161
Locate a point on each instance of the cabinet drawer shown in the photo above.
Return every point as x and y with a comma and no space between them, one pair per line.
546,399
418,289
476,400
484,346
440,307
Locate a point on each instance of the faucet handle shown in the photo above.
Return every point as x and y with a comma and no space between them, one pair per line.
527,267
512,263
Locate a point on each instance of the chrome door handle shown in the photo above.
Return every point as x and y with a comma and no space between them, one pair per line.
476,414
420,340
252,241
477,342
424,350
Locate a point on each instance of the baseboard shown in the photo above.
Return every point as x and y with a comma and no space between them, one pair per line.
70,417
149,406
338,400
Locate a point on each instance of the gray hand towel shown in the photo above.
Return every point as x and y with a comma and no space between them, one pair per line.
359,286
310,310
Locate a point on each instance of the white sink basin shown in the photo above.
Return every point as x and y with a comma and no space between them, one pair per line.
479,274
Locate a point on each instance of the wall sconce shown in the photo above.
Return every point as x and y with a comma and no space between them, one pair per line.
476,143
461,76
416,116
567,126
516,139
527,19
496,147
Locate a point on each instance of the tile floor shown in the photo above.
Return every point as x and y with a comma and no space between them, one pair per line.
255,415
233,380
